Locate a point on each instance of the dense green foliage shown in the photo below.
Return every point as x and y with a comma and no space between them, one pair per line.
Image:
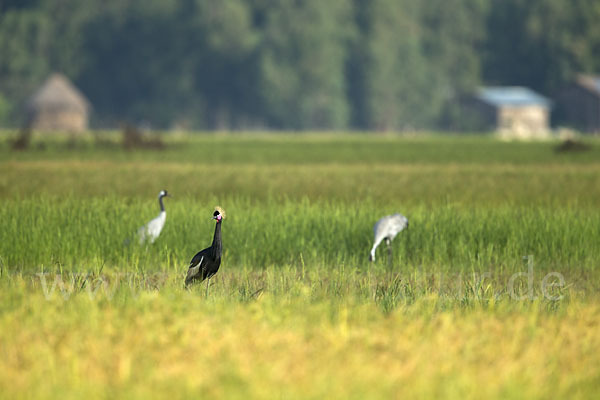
542,43
377,64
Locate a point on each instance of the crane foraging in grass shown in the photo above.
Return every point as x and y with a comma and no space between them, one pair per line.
206,263
151,231
386,230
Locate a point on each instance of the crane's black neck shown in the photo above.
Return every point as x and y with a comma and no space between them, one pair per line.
216,244
160,201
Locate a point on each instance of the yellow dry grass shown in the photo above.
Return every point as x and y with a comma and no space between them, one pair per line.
173,343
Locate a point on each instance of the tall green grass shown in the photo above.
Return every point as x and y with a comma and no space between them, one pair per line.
52,233
306,199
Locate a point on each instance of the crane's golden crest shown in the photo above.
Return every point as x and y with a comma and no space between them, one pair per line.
221,211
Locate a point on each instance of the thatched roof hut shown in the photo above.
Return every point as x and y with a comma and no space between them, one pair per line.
58,106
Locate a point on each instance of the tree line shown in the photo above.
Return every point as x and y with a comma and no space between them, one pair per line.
290,64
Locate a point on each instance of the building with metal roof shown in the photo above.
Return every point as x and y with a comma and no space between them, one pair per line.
511,96
511,111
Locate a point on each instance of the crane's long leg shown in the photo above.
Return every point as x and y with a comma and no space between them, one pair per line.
388,242
207,282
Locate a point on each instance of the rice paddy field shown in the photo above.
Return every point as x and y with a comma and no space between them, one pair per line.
493,291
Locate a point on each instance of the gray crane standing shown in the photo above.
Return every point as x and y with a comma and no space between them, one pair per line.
151,231
386,230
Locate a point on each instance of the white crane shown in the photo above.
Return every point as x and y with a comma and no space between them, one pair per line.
386,230
151,231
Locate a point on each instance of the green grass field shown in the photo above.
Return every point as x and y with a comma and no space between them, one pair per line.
296,310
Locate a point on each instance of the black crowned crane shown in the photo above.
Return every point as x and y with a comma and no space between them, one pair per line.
386,230
207,262
151,231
